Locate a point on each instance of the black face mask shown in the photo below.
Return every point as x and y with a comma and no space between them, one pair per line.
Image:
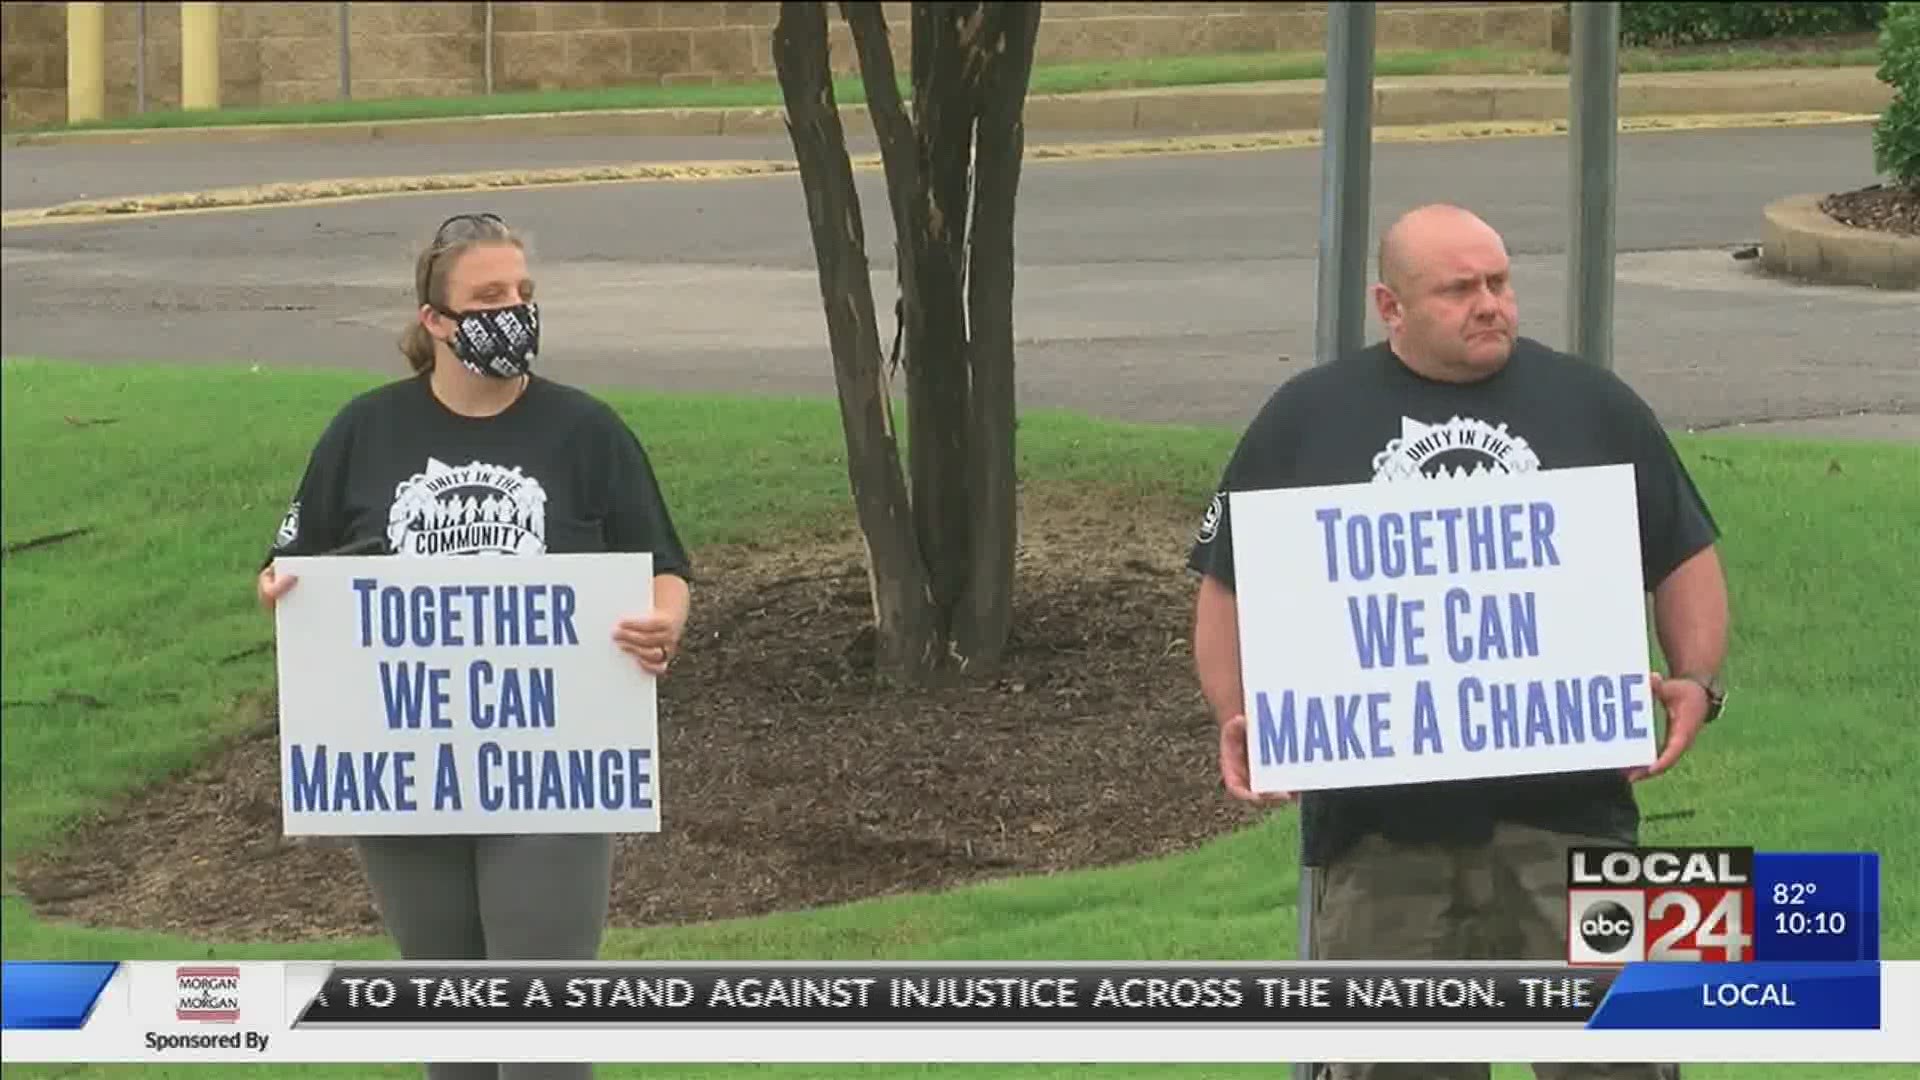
501,343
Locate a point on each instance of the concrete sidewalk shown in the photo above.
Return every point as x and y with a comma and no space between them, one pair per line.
1220,109
1446,99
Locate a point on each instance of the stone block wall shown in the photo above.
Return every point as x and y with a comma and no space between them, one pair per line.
279,53
33,63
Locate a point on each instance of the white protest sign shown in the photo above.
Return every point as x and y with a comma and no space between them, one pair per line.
472,694
1445,629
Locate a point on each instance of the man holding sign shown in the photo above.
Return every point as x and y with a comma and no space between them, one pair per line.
478,710
1422,614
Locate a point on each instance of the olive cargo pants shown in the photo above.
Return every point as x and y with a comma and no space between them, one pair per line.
1504,900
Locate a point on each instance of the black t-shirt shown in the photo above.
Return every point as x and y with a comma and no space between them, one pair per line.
397,472
1369,418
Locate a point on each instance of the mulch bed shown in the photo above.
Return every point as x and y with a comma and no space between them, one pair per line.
1880,207
790,777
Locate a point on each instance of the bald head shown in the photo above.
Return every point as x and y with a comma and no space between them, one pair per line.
1425,235
1444,293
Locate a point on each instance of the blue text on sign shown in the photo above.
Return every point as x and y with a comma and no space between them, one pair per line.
1427,543
427,616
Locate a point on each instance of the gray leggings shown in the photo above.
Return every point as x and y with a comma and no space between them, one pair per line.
537,897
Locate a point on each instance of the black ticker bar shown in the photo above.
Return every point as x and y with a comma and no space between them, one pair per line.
1013,994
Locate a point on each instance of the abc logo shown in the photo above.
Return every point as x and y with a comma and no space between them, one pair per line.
1606,927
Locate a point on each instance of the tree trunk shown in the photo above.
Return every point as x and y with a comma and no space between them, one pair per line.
940,546
938,385
1006,52
904,619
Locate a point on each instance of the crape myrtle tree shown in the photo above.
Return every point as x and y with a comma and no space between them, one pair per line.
939,535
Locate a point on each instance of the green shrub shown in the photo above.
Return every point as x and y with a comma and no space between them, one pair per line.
1648,22
1896,138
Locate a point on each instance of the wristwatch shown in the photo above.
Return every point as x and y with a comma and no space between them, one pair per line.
1716,694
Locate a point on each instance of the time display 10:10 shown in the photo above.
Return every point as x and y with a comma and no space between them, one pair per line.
1797,923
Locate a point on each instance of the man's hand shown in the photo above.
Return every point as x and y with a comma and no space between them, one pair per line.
271,585
1686,704
1233,765
653,639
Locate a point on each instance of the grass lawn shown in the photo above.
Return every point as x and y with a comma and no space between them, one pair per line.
181,494
1064,78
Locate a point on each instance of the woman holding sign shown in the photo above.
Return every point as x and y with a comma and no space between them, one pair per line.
476,453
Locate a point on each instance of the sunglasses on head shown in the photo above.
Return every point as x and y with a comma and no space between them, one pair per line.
441,239
440,234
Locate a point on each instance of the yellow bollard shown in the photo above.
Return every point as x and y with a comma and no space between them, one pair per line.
86,62
199,56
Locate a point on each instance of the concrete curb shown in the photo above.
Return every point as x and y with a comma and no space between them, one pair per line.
316,191
290,193
1801,241
1223,109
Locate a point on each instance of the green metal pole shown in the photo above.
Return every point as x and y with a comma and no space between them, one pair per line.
1594,142
1346,203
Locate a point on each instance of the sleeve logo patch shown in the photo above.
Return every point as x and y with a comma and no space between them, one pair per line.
1210,521
289,526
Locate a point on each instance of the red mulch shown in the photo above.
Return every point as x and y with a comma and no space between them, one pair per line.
1880,207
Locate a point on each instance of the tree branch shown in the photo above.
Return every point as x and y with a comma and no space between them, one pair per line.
868,22
899,578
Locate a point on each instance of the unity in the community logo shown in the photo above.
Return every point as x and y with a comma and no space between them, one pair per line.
1462,446
474,509
1459,447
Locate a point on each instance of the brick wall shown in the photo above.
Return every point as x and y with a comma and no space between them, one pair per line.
289,52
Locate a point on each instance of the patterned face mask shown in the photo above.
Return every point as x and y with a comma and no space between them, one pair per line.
498,342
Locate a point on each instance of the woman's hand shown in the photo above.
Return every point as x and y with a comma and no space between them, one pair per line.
271,585
653,639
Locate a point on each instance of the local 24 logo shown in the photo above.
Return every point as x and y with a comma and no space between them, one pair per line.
1626,905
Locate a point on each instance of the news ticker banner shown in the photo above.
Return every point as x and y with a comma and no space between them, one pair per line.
316,1012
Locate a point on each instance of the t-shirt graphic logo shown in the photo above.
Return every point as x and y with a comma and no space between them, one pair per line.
475,509
1459,447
